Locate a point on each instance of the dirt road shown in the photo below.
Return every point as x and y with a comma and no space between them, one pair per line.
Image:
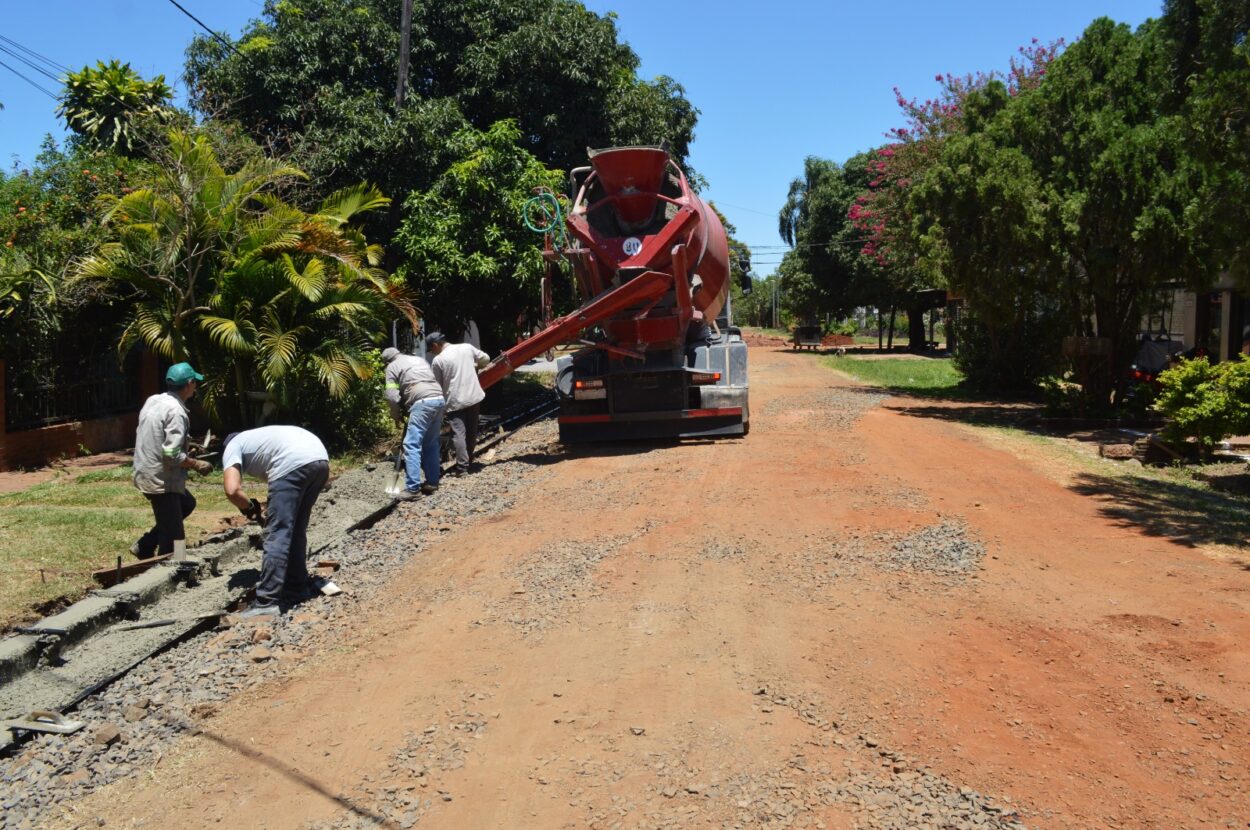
855,617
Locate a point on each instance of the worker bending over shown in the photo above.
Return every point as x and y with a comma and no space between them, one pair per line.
161,461
412,387
456,366
297,467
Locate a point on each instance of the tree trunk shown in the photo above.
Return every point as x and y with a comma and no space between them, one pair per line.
932,323
948,325
893,312
915,330
880,328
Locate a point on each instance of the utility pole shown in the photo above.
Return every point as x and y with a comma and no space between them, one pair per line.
405,33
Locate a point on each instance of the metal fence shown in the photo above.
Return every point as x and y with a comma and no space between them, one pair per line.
95,388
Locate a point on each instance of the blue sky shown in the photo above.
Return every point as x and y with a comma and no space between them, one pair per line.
775,81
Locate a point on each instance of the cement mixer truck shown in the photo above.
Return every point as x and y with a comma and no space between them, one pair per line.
659,355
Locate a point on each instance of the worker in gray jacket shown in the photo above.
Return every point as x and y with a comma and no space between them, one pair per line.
412,388
161,461
297,467
456,366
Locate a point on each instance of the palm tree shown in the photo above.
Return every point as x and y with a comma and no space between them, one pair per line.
229,275
20,280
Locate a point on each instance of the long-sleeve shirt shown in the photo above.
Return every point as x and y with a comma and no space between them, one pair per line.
409,379
456,369
161,445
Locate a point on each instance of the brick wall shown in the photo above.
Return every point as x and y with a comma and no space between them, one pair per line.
38,447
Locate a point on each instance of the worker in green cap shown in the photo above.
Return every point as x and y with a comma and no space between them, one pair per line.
161,460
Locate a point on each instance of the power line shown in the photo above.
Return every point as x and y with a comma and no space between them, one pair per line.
51,95
18,56
220,39
740,207
34,54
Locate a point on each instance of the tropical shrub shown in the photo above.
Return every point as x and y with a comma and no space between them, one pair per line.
359,419
1205,403
109,105
225,273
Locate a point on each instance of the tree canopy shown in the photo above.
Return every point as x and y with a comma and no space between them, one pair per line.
315,79
106,104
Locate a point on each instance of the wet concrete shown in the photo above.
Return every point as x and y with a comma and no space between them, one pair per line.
94,650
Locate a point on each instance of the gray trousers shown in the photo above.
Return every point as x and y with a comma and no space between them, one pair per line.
284,568
464,432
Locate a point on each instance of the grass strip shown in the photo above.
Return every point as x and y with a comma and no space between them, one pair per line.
926,377
54,534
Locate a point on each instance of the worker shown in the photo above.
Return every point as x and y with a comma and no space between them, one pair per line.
295,464
412,387
456,366
161,461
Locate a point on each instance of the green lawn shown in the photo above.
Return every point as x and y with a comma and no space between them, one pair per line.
933,377
52,535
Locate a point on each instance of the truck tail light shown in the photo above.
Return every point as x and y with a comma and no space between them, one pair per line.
704,377
588,384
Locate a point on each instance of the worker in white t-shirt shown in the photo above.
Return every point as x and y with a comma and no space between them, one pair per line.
295,464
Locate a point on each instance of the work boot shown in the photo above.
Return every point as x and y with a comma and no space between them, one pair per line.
137,552
257,611
456,471
429,489
409,495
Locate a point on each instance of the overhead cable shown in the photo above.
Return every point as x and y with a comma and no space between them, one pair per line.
34,54
51,95
18,56
202,25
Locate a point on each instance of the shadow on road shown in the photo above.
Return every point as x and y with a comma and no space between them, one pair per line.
978,413
1169,510
304,780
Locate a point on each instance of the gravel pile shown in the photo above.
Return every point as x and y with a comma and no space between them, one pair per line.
136,720
946,548
893,495
836,408
939,556
723,550
556,579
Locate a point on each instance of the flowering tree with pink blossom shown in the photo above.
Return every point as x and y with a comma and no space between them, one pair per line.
1056,190
882,213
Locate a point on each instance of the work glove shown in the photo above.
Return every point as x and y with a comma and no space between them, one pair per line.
201,467
253,512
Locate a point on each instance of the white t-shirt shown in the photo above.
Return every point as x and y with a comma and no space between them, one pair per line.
270,453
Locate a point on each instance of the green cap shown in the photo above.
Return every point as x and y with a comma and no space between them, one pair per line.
180,374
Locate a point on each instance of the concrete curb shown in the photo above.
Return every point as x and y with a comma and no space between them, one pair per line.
103,608
73,653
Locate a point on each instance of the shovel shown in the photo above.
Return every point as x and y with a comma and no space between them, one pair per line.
396,487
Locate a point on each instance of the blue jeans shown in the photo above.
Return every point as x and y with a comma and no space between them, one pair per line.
421,442
284,567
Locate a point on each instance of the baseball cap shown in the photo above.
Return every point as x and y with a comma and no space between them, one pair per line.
180,374
434,337
389,354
